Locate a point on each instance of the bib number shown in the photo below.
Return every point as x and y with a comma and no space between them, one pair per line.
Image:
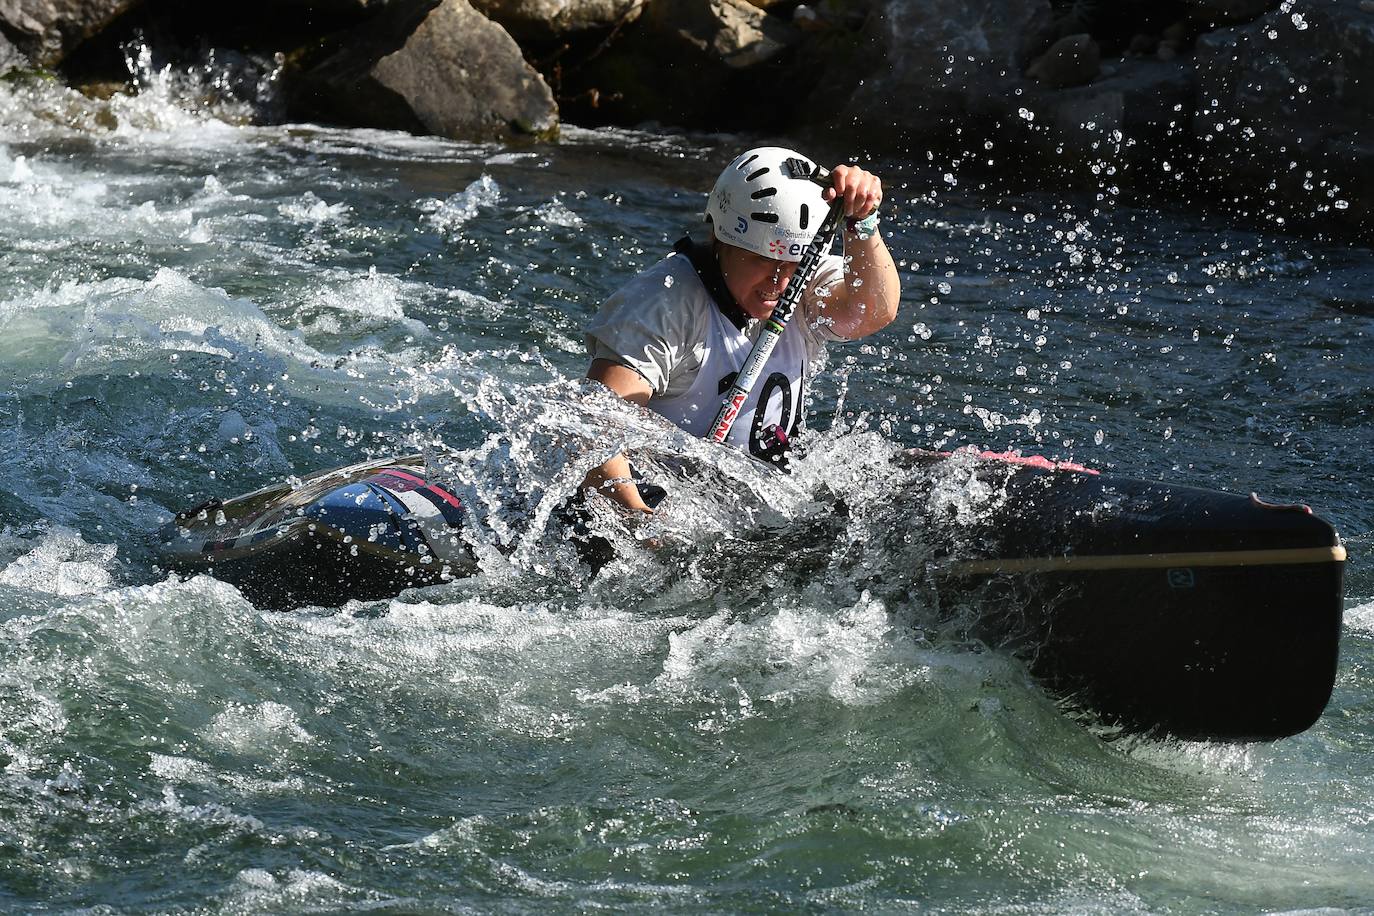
775,384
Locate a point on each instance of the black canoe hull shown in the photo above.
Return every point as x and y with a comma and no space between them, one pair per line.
1161,608
1231,661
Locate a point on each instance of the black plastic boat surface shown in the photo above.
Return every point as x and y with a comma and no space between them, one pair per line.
1161,608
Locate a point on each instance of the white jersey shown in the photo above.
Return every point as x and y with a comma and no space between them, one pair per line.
776,399
666,325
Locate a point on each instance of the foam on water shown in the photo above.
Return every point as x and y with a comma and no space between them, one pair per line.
449,215
853,655
662,143
62,564
78,330
311,210
386,145
200,775
37,198
258,890
1360,617
349,303
13,170
557,213
165,108
98,326
261,728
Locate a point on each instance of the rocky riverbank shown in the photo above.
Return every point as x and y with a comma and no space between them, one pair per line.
1259,103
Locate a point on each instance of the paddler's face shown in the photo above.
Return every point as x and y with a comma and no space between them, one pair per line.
756,282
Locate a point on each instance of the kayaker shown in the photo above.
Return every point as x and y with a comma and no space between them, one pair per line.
673,338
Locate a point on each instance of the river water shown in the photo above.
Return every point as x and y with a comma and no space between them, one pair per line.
193,307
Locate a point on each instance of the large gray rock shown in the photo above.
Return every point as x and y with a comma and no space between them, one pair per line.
464,76
545,18
1285,106
440,69
47,30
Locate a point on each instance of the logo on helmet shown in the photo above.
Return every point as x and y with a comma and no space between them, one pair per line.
777,246
742,226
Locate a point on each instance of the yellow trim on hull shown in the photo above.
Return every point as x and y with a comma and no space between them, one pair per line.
1290,557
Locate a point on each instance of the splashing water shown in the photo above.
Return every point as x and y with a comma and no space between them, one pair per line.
758,703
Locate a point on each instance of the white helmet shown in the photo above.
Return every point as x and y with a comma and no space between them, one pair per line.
757,205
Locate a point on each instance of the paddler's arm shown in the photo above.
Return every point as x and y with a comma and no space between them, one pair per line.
613,478
867,300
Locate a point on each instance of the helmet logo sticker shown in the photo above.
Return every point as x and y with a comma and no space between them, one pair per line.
723,199
778,248
742,225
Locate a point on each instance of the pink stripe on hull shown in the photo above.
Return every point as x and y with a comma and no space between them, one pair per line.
419,483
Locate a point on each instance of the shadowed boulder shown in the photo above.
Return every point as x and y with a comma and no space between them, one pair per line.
10,58
540,19
713,64
1226,12
1285,106
935,64
1073,60
46,31
735,32
1137,110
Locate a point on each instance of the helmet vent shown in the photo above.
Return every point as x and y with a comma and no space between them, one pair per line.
764,217
745,164
805,216
762,193
753,175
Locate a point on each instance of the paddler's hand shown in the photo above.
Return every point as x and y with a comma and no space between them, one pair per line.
635,519
867,301
862,191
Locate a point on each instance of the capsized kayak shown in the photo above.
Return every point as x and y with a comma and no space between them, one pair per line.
1161,608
